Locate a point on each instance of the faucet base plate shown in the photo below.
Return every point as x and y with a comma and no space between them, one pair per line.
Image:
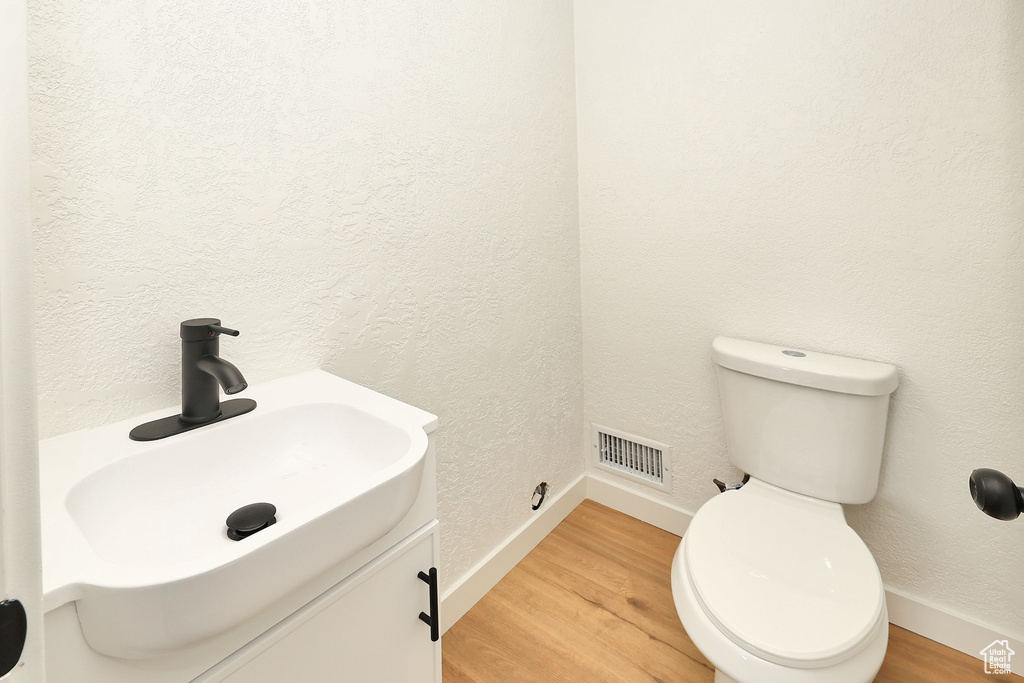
169,426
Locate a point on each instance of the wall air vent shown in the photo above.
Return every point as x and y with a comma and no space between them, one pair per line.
634,457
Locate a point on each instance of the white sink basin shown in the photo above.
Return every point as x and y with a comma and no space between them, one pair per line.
134,531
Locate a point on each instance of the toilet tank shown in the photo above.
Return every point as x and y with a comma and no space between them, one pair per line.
807,422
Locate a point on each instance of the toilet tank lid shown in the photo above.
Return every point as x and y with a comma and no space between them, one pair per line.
805,368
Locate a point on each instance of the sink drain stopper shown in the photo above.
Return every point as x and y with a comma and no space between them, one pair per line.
248,519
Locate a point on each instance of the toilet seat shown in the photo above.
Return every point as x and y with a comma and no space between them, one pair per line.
783,576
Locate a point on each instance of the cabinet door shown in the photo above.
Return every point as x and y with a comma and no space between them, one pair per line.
364,630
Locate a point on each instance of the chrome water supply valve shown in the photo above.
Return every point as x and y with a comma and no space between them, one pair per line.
538,495
723,487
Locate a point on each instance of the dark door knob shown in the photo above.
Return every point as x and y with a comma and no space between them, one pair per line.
995,494
13,631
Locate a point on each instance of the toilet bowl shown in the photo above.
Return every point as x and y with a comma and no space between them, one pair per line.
774,587
769,581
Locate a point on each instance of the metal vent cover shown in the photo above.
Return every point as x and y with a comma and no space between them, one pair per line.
633,457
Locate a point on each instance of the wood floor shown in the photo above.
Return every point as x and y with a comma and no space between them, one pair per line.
592,603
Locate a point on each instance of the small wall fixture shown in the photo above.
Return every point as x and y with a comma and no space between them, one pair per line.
538,495
996,495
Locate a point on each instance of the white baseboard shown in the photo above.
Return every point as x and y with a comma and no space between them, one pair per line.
475,583
944,626
638,504
914,614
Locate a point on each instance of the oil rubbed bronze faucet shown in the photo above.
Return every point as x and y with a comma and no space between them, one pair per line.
203,374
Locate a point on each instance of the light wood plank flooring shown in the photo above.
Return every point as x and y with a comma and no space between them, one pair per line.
593,603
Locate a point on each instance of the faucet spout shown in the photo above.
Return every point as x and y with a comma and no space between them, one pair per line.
230,379
202,370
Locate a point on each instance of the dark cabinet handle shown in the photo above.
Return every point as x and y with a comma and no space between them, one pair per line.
433,619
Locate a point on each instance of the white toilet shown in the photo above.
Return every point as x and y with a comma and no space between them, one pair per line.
770,582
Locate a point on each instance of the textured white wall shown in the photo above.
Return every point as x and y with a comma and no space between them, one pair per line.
386,190
844,177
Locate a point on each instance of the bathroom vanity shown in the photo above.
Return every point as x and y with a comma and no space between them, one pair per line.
363,629
342,586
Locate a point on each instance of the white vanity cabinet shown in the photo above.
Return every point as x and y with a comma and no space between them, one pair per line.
366,629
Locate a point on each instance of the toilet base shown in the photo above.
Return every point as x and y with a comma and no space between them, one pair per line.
722,678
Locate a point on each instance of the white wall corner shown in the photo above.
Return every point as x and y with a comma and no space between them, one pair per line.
483,576
638,504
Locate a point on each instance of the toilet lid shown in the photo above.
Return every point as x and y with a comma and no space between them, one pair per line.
783,576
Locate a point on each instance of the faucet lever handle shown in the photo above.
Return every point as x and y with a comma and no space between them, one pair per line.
214,329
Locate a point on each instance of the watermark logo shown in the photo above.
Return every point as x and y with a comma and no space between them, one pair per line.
997,657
